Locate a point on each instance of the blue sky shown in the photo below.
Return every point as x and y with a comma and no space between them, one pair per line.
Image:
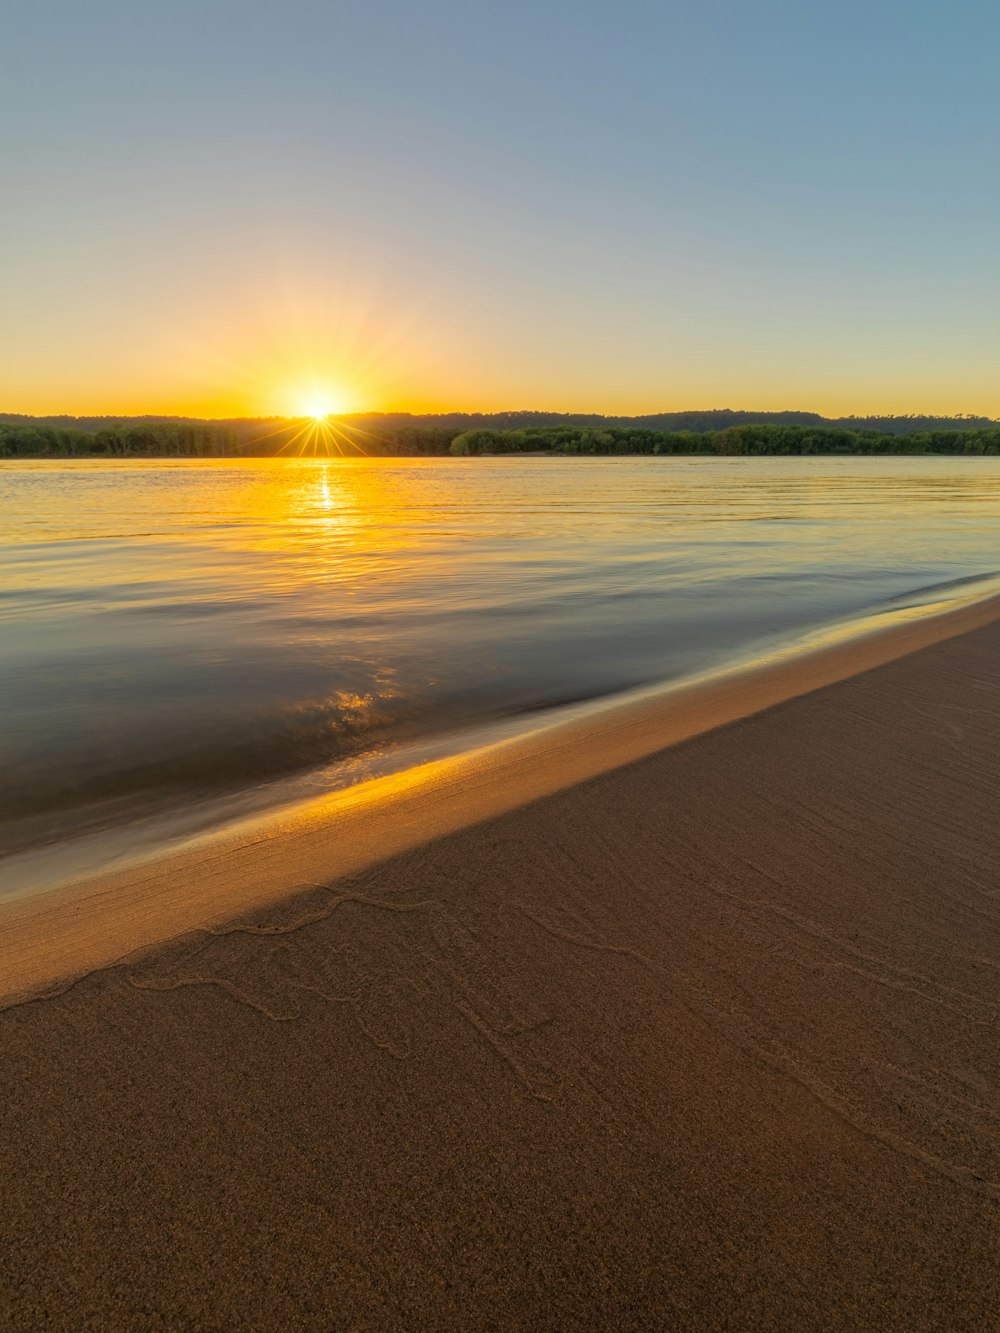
598,207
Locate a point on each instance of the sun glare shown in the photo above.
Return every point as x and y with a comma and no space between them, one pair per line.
319,421
318,426
322,404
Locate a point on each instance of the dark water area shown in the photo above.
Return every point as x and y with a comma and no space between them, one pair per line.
176,628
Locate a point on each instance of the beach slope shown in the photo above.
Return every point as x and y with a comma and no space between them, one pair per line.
708,1041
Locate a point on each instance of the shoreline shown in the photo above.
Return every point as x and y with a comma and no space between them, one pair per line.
703,1041
50,937
122,832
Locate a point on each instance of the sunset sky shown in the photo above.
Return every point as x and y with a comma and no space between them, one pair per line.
217,208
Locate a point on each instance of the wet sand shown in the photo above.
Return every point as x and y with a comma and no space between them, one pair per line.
708,1041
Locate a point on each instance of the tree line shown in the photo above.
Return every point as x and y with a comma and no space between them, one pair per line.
466,434
734,441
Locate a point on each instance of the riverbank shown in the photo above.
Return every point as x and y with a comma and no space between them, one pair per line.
706,1040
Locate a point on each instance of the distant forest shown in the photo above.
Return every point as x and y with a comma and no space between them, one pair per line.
721,432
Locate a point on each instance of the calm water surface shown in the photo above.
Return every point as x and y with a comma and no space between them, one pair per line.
173,628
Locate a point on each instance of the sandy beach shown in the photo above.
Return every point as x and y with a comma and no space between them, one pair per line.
706,1041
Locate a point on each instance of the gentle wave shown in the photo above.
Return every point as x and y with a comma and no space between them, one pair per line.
933,592
335,747
112,835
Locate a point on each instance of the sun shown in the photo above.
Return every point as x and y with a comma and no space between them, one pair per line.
322,403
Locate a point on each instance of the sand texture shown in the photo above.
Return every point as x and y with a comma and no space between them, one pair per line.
706,1042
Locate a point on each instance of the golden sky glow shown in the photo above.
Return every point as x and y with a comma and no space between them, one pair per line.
278,356
340,350
286,347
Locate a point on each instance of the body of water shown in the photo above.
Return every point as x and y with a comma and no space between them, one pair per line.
173,630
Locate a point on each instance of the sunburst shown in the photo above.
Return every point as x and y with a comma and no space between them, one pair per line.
316,435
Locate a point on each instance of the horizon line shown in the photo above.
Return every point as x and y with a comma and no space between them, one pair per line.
498,412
